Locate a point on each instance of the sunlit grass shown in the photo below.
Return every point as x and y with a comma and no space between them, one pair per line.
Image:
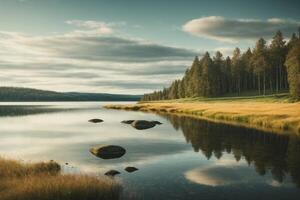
44,181
274,113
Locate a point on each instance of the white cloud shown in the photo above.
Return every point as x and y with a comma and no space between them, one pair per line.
89,62
233,30
92,27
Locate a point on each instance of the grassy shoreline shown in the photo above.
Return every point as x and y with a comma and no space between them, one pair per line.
44,181
275,114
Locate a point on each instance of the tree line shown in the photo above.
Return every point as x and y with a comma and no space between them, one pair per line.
265,68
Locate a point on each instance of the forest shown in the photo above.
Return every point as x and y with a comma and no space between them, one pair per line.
16,94
271,69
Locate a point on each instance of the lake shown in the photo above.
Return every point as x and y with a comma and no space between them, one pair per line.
184,158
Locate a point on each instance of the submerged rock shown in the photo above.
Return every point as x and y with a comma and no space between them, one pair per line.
95,120
127,121
108,151
131,169
112,173
157,122
142,124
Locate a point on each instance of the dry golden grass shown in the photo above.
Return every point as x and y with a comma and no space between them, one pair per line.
43,181
278,117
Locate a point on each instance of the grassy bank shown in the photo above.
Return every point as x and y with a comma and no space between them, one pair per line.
44,181
273,113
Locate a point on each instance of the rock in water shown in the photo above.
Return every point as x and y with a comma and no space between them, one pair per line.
95,120
131,169
127,121
142,124
108,152
157,122
112,173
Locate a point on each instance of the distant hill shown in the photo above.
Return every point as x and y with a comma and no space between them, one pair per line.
28,94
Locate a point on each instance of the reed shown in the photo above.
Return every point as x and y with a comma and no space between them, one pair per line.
44,181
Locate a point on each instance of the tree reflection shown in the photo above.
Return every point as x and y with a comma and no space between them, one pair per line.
24,110
274,153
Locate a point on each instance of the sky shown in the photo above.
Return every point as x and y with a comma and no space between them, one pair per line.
126,47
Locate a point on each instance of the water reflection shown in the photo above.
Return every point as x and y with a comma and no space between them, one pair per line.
184,158
24,110
277,154
215,176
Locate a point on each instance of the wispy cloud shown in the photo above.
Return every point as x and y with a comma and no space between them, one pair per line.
232,30
94,27
98,61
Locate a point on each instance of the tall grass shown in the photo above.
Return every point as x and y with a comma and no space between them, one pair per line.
267,115
44,181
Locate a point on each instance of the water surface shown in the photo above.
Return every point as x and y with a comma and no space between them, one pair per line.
184,158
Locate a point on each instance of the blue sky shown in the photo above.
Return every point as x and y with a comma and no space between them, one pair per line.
126,46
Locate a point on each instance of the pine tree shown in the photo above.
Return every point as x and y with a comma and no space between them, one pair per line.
206,87
181,89
236,69
248,70
260,63
195,74
261,69
228,75
292,41
277,54
217,74
293,69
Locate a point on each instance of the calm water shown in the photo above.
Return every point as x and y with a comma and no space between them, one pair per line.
182,159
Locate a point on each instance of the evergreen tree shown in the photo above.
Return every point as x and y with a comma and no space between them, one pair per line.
218,81
249,78
293,69
173,93
195,74
260,63
181,89
277,54
292,41
228,75
260,69
206,81
236,70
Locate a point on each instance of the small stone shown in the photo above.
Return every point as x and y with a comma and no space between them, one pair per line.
108,151
131,169
127,121
112,173
95,120
157,122
142,124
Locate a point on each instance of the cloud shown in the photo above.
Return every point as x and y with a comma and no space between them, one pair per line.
89,61
232,30
107,48
94,27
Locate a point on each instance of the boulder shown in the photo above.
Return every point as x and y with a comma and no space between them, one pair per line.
131,169
112,173
142,124
127,121
157,122
95,120
108,151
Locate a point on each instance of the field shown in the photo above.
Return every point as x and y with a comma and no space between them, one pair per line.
277,113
